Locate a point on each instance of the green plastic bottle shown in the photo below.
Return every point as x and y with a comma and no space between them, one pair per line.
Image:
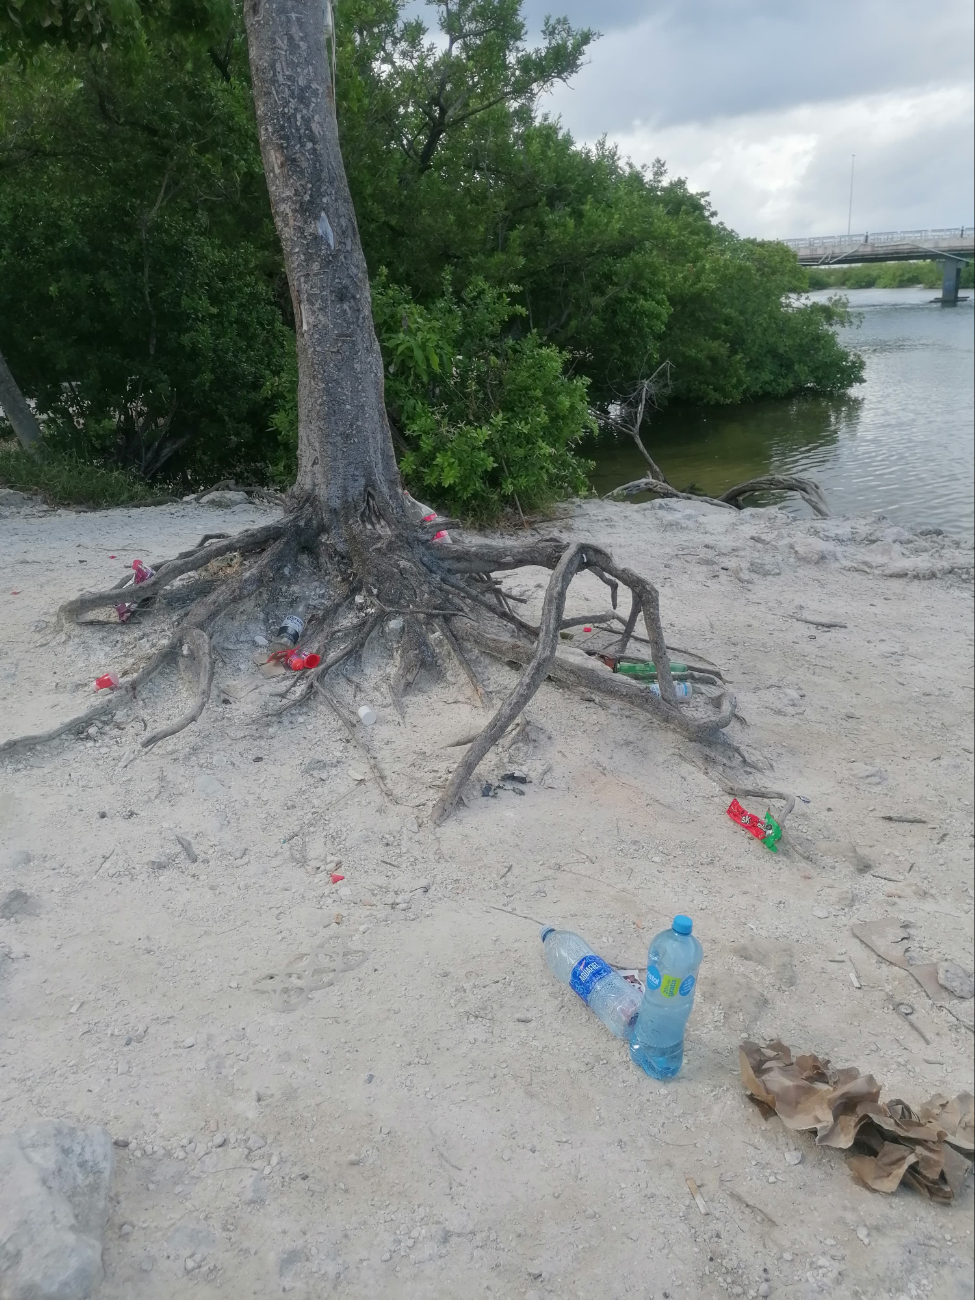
648,672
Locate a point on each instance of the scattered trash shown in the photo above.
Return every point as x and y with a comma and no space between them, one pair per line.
335,877
889,939
107,682
607,995
142,572
683,690
124,611
768,831
289,633
366,715
907,821
298,661
441,539
906,1010
641,670
657,1039
307,972
889,1142
692,1187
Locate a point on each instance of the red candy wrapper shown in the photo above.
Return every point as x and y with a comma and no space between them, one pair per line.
766,829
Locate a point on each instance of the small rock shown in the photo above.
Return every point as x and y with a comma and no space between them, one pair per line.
256,1143
15,859
353,1160
126,1230
187,847
12,500
764,1290
261,641
147,1264
821,912
16,903
358,773
54,1183
864,1234
189,1042
219,1140
951,976
224,500
209,787
254,1190
765,568
793,1157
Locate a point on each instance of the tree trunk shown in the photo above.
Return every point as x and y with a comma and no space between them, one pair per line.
15,408
345,452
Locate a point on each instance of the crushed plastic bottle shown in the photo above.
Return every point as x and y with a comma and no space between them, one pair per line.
607,994
657,1039
142,572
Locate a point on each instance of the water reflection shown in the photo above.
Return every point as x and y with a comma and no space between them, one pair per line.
901,444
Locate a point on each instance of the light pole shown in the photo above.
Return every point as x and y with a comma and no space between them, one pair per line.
849,214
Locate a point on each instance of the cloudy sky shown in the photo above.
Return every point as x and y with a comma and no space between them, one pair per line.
763,102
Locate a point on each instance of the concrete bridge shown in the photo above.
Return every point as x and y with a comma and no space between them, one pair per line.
954,246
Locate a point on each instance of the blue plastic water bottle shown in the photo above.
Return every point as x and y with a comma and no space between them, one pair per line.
657,1040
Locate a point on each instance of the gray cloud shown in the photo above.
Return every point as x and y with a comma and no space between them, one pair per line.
696,59
762,103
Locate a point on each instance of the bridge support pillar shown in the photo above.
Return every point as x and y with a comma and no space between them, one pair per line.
951,282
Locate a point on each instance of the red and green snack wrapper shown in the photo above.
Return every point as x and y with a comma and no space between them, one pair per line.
766,829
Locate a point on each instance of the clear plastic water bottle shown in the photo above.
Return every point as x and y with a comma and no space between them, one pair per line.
612,998
657,1040
683,690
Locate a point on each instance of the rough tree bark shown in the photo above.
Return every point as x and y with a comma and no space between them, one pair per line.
15,408
346,465
346,515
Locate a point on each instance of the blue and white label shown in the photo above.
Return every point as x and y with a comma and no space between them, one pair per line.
687,985
653,977
586,974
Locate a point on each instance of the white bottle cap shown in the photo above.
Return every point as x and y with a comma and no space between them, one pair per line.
366,715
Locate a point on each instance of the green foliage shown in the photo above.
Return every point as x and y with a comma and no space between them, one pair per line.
484,417
67,479
138,255
886,275
488,417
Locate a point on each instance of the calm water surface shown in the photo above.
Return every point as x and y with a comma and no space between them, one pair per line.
900,444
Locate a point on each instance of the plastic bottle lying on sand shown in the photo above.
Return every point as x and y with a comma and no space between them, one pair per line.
657,1040
608,995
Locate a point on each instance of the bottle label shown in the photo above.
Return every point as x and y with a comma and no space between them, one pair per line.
669,985
587,973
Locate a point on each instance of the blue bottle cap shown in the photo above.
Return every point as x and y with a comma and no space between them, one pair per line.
683,924
546,931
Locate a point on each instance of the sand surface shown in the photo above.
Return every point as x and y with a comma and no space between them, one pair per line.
445,1120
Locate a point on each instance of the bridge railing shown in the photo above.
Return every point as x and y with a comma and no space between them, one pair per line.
881,237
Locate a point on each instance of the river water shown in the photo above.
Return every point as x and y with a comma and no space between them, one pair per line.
900,444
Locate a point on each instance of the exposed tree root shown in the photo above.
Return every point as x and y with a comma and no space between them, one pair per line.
807,488
384,571
198,643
